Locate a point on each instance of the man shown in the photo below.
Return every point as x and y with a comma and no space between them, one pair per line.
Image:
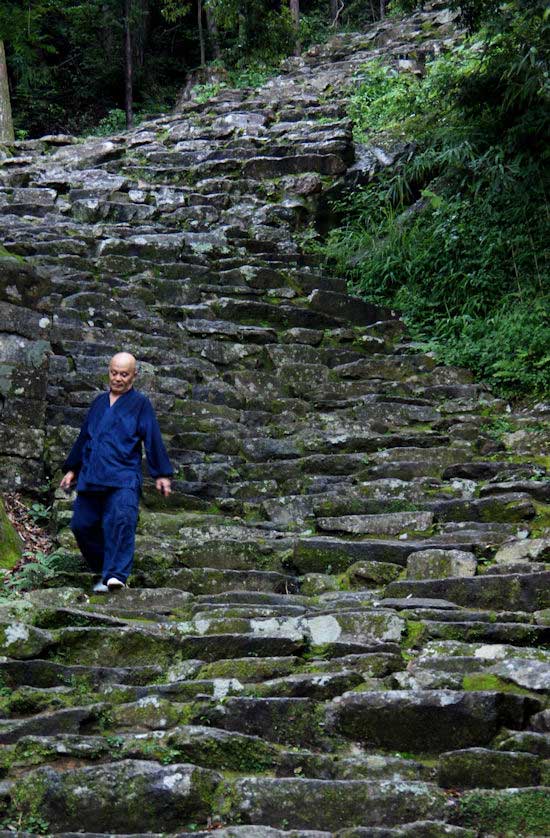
106,463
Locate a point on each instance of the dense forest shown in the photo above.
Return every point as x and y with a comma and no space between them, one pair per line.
454,236
76,66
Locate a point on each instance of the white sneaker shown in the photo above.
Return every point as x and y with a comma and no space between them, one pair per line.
100,588
114,584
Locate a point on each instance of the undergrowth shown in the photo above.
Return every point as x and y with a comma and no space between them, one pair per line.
455,236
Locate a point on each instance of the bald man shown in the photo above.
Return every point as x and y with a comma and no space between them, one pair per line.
105,461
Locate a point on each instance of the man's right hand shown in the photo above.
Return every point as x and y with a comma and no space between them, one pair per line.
67,481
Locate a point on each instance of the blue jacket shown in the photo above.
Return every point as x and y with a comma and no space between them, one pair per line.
107,452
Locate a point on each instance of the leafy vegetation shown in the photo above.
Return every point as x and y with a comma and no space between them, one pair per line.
36,569
456,238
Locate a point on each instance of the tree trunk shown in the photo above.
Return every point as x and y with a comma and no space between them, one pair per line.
382,9
128,66
140,33
334,12
295,14
213,34
241,39
6,123
201,33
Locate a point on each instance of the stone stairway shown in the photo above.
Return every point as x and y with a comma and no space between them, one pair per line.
338,622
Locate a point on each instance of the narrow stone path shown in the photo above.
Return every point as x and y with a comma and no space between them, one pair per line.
338,623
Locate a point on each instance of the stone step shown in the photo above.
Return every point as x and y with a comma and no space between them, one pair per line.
302,803
292,721
134,645
522,592
509,507
428,721
518,634
211,581
485,768
392,523
321,553
71,720
175,794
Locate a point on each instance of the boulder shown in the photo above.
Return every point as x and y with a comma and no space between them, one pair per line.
120,798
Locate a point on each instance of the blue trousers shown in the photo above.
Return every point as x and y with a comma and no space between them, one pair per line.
104,524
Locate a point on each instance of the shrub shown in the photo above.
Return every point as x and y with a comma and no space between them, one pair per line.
456,236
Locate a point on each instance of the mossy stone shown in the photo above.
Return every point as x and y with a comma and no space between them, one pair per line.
506,812
484,768
11,545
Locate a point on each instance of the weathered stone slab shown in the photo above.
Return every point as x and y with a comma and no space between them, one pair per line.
48,724
372,574
294,721
483,768
44,673
425,720
521,592
324,554
118,798
391,524
525,549
528,741
320,687
350,309
335,804
405,603
528,674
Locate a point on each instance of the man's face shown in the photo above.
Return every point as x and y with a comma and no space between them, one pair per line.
121,377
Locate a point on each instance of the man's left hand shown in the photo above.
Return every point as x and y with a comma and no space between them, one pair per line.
164,486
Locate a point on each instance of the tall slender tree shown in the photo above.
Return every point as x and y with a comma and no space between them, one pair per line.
6,122
128,65
295,14
213,33
201,33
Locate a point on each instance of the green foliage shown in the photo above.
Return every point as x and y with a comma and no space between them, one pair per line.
456,237
65,61
314,28
253,75
381,100
39,513
38,568
113,122
204,92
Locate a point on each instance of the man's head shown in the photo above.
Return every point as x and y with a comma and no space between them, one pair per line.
122,373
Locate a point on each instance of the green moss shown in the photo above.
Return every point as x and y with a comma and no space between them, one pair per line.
414,634
27,800
483,681
27,700
508,813
5,254
542,519
10,543
246,669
